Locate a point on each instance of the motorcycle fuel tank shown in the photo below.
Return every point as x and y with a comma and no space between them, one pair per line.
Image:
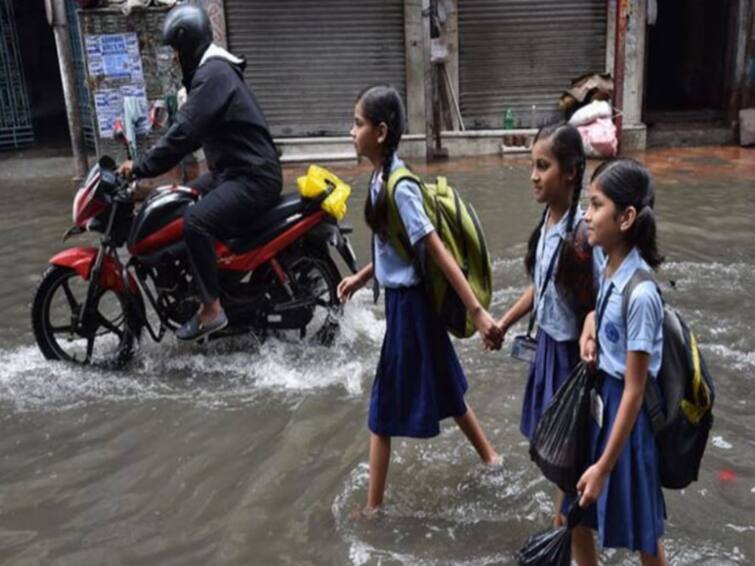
159,222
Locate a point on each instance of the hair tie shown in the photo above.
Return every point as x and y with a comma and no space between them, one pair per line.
645,210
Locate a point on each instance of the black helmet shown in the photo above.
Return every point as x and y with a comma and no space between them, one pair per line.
187,29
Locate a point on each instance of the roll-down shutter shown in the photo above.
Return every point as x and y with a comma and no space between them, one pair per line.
519,53
307,61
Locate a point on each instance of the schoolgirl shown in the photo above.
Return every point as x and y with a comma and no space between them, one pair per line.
419,380
621,489
560,264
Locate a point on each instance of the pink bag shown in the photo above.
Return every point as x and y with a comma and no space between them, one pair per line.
599,138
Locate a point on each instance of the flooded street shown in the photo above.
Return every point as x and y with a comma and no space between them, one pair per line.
241,453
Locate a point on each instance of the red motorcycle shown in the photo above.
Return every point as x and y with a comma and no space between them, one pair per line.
278,276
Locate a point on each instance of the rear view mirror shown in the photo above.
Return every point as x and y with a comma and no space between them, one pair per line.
106,162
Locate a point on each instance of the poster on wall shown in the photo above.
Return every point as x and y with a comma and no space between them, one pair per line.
115,69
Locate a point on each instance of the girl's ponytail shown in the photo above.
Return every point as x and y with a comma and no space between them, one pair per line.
376,215
569,276
579,176
529,258
627,183
644,236
382,104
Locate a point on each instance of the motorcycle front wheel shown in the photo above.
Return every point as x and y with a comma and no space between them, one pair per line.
106,338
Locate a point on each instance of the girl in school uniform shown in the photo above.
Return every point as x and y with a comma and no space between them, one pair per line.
621,489
560,264
419,380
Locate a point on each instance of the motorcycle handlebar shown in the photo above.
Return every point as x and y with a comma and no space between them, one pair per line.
125,186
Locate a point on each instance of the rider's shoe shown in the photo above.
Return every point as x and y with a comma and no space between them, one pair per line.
195,330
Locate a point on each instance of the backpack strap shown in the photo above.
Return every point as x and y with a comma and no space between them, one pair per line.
396,230
543,284
652,399
639,276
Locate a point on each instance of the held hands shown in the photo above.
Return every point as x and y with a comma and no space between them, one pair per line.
491,334
590,485
126,169
503,326
348,286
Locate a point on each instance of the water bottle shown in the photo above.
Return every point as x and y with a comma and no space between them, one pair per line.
508,119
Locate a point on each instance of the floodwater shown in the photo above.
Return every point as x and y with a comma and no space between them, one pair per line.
246,454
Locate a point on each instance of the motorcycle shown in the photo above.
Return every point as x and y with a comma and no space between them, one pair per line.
90,306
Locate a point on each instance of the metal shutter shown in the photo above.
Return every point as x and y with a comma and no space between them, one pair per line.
307,61
516,53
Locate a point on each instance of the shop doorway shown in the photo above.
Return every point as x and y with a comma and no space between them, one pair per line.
687,71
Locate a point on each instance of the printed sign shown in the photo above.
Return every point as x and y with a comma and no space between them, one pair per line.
115,69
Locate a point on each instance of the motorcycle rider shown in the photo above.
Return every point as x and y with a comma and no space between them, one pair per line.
221,115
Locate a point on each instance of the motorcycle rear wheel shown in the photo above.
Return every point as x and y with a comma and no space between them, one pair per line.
108,340
315,275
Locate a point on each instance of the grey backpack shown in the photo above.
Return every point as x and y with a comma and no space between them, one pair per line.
680,401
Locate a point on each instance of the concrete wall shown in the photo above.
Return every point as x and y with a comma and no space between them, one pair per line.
634,133
451,35
415,66
415,61
216,11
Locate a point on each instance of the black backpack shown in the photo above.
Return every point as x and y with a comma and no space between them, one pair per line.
680,401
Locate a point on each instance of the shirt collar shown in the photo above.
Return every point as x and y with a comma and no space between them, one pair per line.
624,273
560,227
378,175
396,162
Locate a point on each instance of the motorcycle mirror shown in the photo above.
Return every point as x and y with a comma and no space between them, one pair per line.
106,162
72,231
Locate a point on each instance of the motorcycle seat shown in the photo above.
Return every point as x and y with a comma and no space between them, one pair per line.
288,205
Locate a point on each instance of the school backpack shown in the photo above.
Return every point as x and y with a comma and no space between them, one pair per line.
458,226
680,407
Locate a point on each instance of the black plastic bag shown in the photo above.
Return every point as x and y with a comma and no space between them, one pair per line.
559,445
553,547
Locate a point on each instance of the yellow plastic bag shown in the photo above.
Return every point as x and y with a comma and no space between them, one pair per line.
317,181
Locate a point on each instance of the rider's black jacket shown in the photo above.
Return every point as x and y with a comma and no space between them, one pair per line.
221,115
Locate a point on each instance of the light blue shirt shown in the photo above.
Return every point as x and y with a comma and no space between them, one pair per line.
554,315
642,332
390,270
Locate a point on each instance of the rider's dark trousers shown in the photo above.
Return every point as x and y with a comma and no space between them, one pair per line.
226,209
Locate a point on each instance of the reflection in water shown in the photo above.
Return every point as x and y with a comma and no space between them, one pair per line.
242,452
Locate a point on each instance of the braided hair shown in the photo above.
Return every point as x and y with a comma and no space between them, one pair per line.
382,104
627,183
571,277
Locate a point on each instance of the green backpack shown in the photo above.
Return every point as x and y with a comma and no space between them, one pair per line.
458,226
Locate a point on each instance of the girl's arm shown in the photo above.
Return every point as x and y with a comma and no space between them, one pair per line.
351,284
484,323
592,481
521,307
587,343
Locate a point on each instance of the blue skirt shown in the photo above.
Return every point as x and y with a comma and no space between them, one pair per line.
554,361
630,511
419,380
